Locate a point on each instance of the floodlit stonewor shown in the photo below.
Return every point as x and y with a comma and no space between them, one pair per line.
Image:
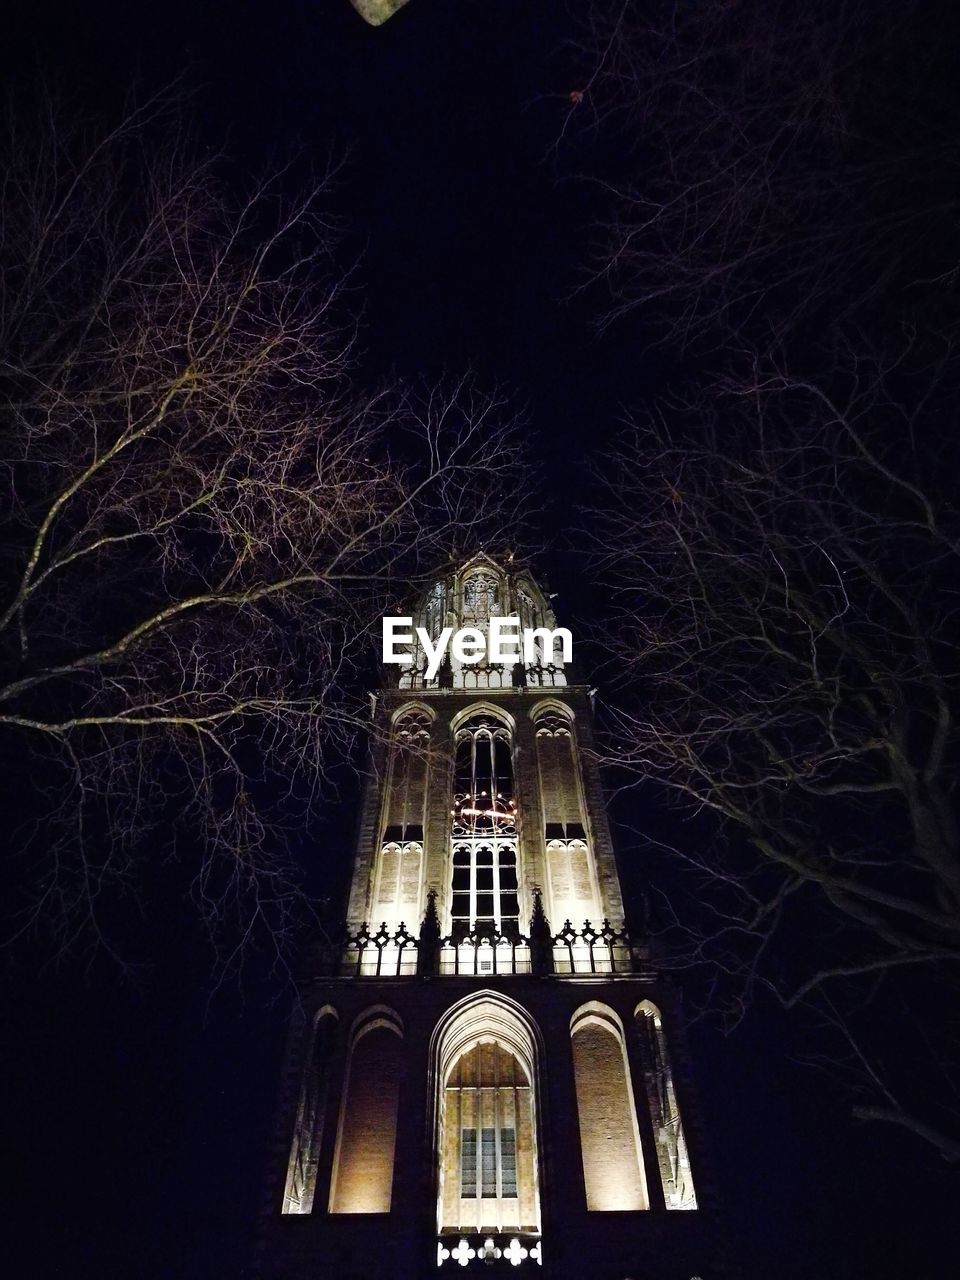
486,1070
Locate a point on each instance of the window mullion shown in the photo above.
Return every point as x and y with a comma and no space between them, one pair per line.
473,885
497,912
497,1149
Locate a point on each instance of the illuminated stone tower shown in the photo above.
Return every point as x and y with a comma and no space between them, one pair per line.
485,1072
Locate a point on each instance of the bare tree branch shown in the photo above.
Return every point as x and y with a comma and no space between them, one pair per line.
204,512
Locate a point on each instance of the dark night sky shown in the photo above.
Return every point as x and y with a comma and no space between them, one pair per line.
141,1110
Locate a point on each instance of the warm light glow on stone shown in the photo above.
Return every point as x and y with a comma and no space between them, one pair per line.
609,1139
363,1166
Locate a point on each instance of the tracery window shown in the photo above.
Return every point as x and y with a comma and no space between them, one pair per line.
480,597
488,1115
559,781
406,790
398,887
531,617
529,613
486,1141
433,614
484,888
571,874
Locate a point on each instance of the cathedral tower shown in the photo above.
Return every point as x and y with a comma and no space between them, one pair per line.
486,1072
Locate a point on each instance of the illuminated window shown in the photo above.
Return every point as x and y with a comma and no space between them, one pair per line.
560,794
398,875
483,779
407,784
485,884
491,1165
480,598
486,1140
485,887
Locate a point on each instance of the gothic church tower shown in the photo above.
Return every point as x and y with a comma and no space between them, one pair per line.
486,1073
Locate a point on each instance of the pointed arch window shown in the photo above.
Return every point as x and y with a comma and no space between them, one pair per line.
398,875
489,1115
486,1123
407,785
560,790
484,889
434,610
481,597
574,893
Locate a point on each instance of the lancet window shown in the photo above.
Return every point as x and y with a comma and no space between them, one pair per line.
486,1141
484,888
433,613
481,597
399,873
570,865
406,790
488,1124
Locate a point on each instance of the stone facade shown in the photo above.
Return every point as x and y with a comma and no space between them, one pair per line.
478,1075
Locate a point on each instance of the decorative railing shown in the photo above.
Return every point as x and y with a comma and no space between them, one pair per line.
513,1247
383,954
589,950
485,676
483,952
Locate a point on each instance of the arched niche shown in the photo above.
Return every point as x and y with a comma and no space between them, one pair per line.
613,1171
485,1061
484,708
367,1134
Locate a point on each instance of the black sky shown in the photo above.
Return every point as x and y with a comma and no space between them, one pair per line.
141,1111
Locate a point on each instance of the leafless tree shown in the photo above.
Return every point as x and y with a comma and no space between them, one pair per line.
781,212
203,513
777,162
785,633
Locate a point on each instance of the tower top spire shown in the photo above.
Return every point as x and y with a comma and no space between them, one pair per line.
469,597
